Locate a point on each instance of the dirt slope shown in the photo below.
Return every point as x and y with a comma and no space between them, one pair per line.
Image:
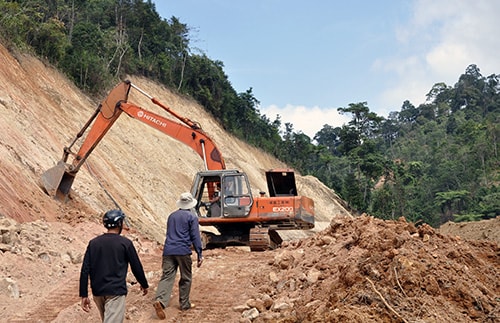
347,269
143,169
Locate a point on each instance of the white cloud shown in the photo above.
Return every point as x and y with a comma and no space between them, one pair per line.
438,44
410,83
448,58
309,120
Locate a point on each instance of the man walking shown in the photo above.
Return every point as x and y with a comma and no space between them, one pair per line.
182,233
106,262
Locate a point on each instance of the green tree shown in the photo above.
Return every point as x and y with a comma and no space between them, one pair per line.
330,138
364,122
451,202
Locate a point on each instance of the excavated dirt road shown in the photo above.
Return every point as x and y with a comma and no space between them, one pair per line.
222,285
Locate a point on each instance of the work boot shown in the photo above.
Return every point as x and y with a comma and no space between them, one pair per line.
159,310
188,308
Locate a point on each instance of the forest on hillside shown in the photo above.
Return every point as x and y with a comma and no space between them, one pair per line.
430,163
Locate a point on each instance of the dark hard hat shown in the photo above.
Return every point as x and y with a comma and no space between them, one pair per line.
113,218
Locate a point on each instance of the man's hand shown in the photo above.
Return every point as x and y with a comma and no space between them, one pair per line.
85,304
200,261
144,291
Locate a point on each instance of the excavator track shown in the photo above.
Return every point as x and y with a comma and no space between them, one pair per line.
262,239
259,239
275,239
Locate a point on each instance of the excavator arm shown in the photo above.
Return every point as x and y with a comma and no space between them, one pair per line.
193,137
58,180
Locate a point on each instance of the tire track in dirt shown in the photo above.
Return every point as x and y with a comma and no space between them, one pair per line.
64,295
223,284
219,285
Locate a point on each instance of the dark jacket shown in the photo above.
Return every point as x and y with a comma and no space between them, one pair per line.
182,232
106,262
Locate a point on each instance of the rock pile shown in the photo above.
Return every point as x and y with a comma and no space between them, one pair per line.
365,269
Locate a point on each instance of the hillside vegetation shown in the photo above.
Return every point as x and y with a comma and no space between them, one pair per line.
431,163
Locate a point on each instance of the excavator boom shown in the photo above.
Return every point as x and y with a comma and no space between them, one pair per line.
58,180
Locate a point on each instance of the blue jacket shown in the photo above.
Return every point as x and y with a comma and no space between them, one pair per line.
182,232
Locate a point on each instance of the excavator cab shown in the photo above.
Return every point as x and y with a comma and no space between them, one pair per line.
222,193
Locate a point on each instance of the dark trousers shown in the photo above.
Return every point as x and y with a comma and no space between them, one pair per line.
166,283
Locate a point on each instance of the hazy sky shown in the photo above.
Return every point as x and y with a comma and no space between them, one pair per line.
304,59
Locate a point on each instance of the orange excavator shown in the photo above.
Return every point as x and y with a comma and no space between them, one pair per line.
224,196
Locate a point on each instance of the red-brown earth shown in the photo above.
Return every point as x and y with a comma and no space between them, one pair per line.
348,269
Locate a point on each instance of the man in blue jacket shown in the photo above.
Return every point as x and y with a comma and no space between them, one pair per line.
182,233
106,262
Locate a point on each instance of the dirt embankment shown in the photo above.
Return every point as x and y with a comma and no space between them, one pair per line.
480,230
346,270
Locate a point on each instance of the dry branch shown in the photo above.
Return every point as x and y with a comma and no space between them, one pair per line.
397,281
384,301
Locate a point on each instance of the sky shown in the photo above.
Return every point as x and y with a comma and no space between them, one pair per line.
305,59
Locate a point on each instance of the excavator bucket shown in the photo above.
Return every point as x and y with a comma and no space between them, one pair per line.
57,181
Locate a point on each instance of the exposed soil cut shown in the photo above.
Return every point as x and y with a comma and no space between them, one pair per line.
348,269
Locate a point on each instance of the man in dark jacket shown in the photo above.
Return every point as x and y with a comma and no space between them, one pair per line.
182,233
106,262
